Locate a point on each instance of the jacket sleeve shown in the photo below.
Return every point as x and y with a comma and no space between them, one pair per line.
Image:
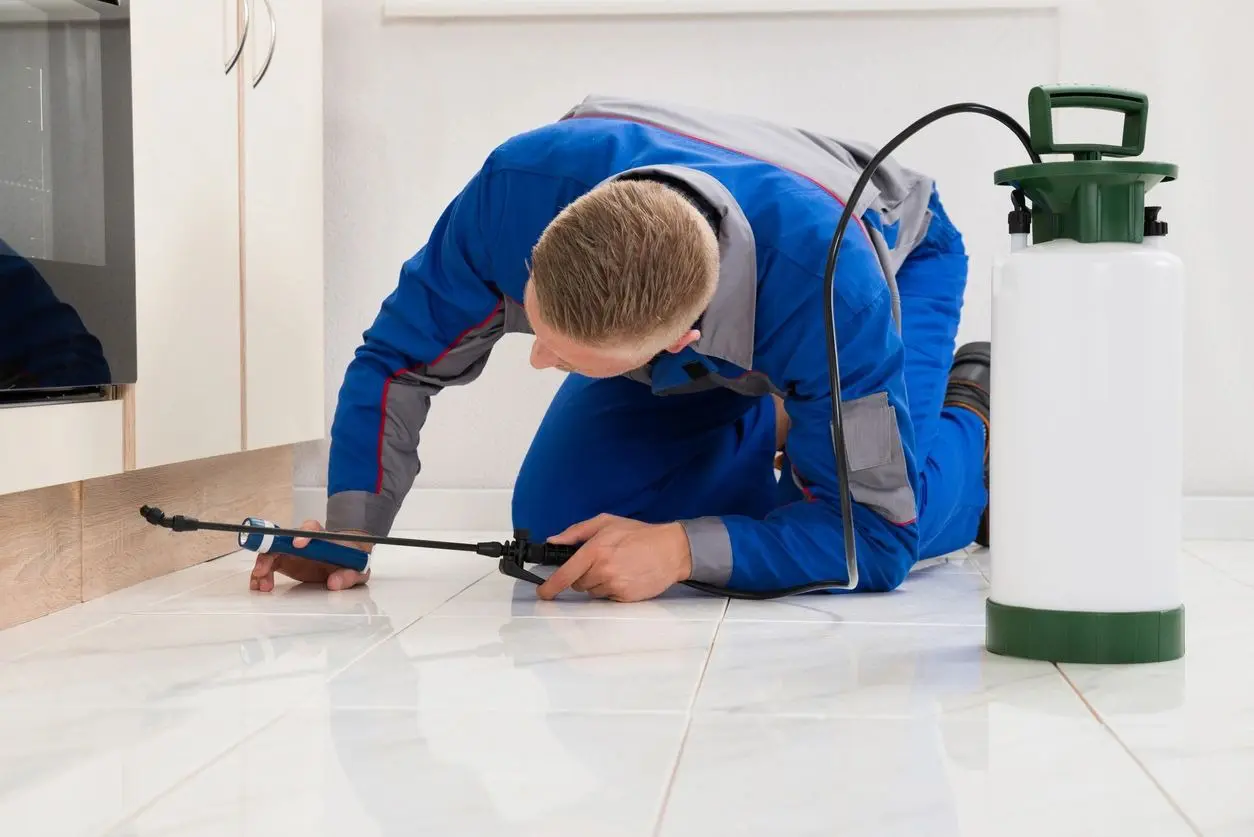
803,542
436,329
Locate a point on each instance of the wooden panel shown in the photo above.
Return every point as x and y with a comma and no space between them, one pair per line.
120,548
186,404
53,444
283,227
40,569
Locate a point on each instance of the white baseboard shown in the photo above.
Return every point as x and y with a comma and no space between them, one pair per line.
488,510
1219,518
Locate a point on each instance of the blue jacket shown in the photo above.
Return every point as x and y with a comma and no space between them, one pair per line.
43,342
777,192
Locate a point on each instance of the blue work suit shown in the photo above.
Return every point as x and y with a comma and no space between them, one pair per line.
691,438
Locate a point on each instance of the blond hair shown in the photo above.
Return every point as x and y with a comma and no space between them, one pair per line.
629,264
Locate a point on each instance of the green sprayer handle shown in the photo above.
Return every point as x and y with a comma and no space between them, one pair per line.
1043,99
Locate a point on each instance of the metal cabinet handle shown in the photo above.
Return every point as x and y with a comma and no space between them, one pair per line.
243,36
274,35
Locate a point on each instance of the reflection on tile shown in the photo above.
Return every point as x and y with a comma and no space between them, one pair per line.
532,665
402,599
408,773
1009,772
942,594
1209,682
885,671
70,771
256,664
1190,722
498,596
1205,764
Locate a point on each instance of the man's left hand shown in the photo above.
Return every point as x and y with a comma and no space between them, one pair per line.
621,559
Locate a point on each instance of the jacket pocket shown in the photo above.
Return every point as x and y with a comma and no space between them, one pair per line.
878,477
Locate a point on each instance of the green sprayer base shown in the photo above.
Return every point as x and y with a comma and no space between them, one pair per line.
1060,636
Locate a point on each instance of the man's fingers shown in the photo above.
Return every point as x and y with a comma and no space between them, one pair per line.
263,566
604,590
301,543
596,575
581,532
567,574
344,579
262,577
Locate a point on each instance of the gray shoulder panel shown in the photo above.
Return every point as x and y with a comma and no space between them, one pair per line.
898,195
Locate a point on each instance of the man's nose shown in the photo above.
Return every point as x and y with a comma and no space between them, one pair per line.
542,358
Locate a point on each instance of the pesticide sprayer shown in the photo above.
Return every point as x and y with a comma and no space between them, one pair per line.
1087,390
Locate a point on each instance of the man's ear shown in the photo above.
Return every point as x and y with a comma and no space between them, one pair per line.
689,337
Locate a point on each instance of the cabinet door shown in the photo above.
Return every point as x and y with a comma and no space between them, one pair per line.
283,225
186,404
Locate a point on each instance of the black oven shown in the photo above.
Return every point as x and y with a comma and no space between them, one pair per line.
67,218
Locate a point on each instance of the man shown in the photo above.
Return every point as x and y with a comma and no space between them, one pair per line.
672,259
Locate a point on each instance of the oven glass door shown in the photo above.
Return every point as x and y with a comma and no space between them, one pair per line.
67,219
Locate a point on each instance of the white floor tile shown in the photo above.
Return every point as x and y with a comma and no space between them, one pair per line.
532,665
1205,764
500,597
76,771
402,598
1010,771
255,664
446,699
943,594
1233,558
37,633
883,671
408,773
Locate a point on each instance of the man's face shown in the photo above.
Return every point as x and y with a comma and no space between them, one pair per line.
553,350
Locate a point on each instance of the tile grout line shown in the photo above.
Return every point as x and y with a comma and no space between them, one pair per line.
1197,556
1135,760
683,741
294,706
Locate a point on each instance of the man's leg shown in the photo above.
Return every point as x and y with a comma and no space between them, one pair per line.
950,440
612,446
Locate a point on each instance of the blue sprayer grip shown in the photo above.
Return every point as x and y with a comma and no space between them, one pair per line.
324,551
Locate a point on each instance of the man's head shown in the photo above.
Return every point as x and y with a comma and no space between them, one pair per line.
619,276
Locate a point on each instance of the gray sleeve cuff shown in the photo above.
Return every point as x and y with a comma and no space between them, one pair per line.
361,511
710,545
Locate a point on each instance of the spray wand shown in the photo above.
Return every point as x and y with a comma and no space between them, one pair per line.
257,535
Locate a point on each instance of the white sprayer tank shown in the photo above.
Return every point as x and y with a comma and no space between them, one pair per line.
1086,442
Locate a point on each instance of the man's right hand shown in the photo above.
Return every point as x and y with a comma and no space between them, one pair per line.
304,570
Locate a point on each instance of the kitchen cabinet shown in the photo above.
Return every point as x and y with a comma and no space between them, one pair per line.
185,112
283,322
227,114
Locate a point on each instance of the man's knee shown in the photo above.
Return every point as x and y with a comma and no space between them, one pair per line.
534,506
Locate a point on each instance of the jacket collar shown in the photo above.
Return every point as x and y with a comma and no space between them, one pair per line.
727,325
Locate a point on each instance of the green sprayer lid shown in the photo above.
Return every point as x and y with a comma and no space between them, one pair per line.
1089,198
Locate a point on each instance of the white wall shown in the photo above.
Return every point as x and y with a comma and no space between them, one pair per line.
413,106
